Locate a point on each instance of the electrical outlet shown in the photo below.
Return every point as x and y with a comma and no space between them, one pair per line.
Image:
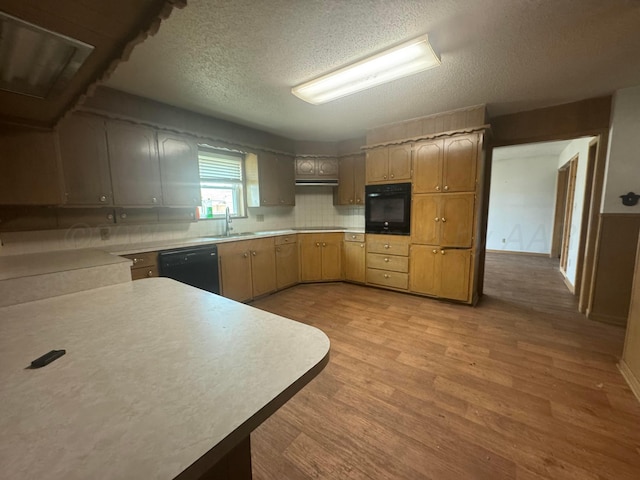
104,234
260,218
504,240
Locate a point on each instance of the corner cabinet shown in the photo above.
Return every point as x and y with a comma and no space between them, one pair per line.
351,181
320,256
270,180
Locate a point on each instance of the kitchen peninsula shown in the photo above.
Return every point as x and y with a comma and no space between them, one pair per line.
160,380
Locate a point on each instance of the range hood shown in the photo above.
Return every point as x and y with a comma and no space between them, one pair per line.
317,182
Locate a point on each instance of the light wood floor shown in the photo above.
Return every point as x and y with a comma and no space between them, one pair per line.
520,387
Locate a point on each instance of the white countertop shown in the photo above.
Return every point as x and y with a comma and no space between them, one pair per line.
19,266
156,375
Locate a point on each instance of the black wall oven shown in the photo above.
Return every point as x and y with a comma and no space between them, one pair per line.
388,209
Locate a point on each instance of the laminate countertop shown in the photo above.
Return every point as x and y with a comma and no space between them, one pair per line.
160,380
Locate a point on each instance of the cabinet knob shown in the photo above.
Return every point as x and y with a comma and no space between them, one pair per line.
321,171
253,253
317,244
353,237
351,200
386,259
150,273
136,260
110,216
154,200
324,244
245,254
438,188
437,219
442,252
386,245
357,200
362,245
443,219
281,200
392,175
435,251
446,187
123,215
384,176
103,198
277,249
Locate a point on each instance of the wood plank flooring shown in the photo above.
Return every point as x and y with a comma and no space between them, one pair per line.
520,387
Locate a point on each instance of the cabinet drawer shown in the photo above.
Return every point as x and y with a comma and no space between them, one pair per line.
387,244
354,237
144,272
286,239
146,259
388,279
393,263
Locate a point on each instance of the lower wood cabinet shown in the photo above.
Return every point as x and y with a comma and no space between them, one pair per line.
440,272
354,257
247,268
320,256
287,265
145,265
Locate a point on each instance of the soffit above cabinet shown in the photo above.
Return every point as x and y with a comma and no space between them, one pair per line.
109,30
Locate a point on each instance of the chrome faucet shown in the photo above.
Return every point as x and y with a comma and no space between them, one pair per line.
227,222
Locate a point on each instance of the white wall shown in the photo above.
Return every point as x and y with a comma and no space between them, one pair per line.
314,207
623,159
578,147
521,204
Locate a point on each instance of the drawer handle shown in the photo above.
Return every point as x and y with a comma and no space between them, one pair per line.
386,275
136,260
103,198
353,236
150,273
386,259
386,246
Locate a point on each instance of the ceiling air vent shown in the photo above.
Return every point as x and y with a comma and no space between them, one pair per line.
35,61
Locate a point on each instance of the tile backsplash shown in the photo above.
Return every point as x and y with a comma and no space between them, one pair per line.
314,208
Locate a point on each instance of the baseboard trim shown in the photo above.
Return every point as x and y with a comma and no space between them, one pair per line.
569,285
613,320
632,380
510,252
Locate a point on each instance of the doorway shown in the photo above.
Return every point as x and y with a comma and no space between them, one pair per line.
569,171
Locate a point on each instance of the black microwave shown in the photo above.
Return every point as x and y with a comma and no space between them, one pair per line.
387,209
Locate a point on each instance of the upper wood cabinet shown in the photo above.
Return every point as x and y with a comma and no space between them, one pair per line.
389,164
179,171
85,161
446,165
308,168
350,189
29,167
270,180
444,220
135,170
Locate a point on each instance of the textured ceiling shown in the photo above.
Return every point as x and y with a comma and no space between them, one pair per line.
237,60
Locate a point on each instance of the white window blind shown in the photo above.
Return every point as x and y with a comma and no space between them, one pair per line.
216,166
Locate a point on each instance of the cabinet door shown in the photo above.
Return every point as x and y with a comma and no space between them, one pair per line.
327,167
287,266
135,170
423,264
268,179
427,166
456,219
400,163
29,167
85,161
310,257
235,270
460,163
425,219
455,271
287,181
263,266
358,179
331,256
354,262
179,171
377,165
305,167
345,194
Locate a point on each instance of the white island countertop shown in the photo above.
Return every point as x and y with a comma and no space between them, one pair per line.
160,380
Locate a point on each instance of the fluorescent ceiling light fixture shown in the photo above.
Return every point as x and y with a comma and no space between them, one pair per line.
400,61
35,61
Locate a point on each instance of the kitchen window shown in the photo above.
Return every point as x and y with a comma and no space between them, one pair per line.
222,183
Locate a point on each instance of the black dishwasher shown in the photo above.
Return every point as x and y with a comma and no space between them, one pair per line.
195,266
